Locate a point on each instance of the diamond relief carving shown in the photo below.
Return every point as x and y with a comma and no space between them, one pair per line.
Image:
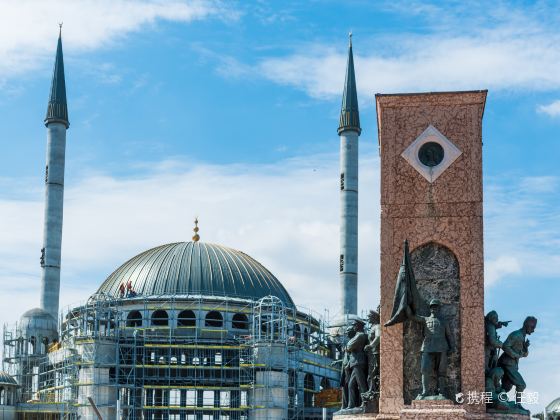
431,153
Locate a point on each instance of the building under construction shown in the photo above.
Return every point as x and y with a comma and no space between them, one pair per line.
200,331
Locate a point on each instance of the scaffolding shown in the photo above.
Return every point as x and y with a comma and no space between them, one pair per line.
169,357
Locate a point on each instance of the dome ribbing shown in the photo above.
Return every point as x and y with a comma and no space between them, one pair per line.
196,269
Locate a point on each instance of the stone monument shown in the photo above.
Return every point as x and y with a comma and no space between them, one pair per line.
431,193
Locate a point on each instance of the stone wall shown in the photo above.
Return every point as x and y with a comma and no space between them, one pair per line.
437,276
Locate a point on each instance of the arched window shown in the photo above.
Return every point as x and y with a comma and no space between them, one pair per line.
240,321
306,335
325,383
265,325
297,331
432,261
134,319
44,345
308,390
160,318
2,396
31,345
186,319
214,319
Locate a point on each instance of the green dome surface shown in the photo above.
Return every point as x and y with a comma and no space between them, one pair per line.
196,269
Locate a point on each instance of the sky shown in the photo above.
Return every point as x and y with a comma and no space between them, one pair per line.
228,111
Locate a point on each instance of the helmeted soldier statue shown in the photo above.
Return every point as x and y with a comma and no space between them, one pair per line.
515,347
357,384
437,346
492,342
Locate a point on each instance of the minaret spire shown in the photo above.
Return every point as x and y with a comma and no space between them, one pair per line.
57,109
57,123
349,131
350,114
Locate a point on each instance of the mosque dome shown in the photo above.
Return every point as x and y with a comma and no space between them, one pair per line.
6,379
39,323
553,407
196,269
37,319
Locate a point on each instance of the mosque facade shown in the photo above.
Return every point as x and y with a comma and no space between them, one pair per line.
188,330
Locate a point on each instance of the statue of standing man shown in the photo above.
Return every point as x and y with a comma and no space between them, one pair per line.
438,342
492,342
357,384
345,370
436,347
372,352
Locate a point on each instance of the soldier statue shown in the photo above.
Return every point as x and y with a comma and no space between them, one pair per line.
372,352
514,348
437,346
493,386
492,342
357,384
345,370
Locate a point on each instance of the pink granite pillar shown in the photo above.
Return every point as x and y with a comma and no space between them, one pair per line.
445,209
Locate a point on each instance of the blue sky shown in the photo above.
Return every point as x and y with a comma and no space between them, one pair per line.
228,111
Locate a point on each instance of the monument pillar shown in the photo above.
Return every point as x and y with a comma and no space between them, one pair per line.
431,194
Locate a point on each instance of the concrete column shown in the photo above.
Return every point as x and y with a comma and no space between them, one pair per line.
348,263
52,234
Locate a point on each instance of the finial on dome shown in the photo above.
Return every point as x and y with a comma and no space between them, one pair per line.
196,236
350,38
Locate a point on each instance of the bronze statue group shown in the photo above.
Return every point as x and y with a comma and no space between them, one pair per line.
502,371
359,378
360,355
360,360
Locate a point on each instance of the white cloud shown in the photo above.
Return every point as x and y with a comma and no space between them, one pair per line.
522,227
29,27
509,50
552,109
539,184
285,215
500,267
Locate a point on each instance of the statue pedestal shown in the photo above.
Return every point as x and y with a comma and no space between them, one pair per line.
368,411
507,416
361,416
434,410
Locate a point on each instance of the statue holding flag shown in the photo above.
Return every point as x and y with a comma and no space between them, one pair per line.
437,343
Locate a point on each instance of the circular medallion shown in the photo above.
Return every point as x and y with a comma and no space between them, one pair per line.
431,154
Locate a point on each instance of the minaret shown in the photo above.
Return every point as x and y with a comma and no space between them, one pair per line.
57,123
349,131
